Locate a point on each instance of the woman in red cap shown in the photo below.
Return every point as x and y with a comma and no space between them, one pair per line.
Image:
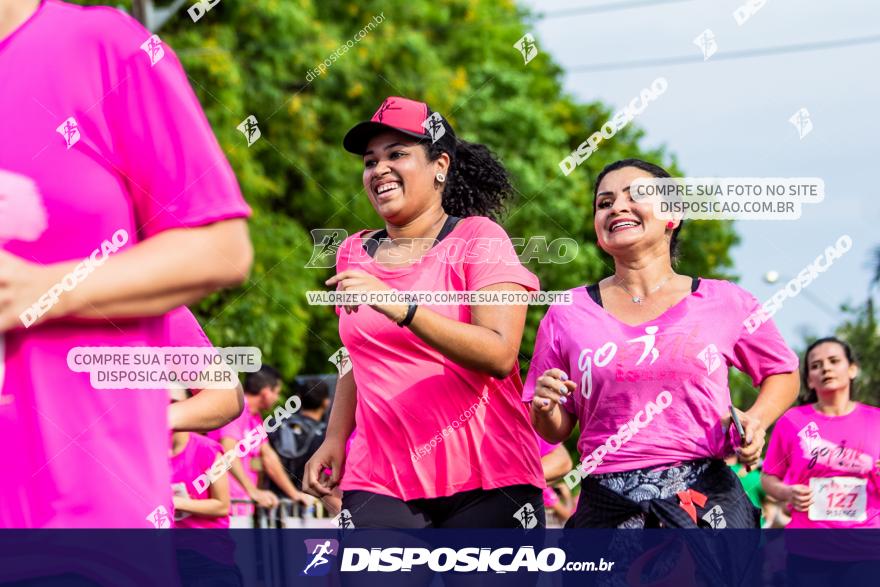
442,439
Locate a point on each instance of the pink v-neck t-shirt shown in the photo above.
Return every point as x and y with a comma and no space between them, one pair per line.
655,394
135,153
426,426
807,444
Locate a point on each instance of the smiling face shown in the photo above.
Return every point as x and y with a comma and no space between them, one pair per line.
828,370
621,223
399,179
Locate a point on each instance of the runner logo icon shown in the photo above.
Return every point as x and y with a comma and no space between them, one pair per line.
70,131
527,47
526,516
801,121
343,520
153,48
321,552
434,126
715,518
711,358
250,129
707,44
159,518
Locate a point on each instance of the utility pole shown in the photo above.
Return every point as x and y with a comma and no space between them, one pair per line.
151,17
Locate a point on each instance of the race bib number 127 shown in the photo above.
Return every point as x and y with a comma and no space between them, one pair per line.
841,499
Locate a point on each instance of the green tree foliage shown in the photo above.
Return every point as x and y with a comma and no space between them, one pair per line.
253,58
862,332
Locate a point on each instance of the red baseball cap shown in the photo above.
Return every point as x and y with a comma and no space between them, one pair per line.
400,114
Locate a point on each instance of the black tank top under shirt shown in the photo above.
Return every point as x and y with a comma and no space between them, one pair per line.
371,244
595,294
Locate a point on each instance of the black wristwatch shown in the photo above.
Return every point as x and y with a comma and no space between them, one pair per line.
411,311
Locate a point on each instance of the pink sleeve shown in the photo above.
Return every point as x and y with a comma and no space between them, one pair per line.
176,172
495,263
209,453
763,352
778,457
184,329
546,356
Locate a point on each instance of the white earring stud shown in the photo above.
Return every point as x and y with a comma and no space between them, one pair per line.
440,177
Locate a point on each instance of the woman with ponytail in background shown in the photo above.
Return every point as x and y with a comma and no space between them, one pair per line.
442,439
823,461
824,456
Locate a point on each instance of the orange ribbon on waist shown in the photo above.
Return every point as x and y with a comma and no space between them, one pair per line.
688,498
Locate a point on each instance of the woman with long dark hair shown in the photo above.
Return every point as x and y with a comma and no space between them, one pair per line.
442,440
640,361
824,456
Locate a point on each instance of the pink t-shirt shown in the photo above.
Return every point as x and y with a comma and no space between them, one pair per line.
655,393
185,330
807,444
238,430
544,447
139,157
197,456
426,426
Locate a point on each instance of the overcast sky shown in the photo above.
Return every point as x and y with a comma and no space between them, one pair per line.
730,118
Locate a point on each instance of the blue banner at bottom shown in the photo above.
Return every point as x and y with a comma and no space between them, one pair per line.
637,558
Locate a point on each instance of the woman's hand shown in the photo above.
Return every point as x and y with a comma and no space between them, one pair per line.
263,498
551,389
800,497
749,453
179,502
330,455
354,280
23,283
305,499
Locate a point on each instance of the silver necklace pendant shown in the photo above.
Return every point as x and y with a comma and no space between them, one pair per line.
640,299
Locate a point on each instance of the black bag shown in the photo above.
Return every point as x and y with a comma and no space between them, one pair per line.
295,442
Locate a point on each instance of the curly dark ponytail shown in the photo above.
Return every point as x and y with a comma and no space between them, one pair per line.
477,184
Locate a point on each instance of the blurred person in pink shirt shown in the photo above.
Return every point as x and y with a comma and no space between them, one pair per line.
191,455
300,435
824,456
262,390
823,466
107,142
